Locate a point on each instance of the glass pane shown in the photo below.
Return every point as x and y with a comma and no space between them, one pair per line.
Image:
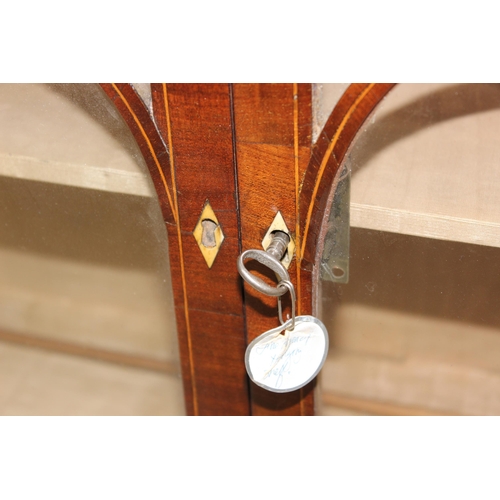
324,98
417,328
84,269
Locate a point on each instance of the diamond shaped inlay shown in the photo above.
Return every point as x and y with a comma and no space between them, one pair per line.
208,234
279,224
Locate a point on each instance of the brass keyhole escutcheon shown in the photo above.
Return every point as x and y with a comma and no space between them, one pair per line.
208,234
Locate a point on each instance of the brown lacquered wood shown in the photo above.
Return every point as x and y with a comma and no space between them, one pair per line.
195,122
189,153
272,126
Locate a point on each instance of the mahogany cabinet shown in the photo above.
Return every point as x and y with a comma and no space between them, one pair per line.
247,150
412,332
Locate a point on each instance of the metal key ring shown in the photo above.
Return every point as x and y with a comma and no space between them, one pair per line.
291,289
268,261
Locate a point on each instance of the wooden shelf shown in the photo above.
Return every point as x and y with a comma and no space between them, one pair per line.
76,175
425,225
56,134
428,164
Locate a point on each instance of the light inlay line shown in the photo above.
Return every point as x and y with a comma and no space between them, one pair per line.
297,220
181,252
326,157
297,225
150,146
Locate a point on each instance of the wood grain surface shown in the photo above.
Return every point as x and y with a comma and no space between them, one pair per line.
195,121
273,141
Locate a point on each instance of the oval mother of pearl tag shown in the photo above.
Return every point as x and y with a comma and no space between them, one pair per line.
281,360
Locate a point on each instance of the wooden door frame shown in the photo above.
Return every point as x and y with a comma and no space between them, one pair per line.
246,148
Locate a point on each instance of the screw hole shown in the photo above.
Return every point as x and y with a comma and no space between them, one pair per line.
338,272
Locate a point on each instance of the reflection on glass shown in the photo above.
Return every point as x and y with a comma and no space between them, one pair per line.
83,261
417,328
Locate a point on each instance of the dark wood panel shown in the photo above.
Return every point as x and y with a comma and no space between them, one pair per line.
273,135
182,321
195,123
218,354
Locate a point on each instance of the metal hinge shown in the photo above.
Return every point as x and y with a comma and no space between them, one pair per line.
335,258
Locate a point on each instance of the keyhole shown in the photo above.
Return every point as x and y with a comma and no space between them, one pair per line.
208,233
